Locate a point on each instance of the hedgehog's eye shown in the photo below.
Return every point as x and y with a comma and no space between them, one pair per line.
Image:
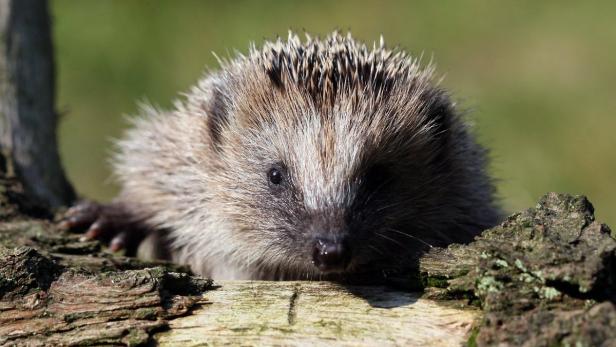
275,176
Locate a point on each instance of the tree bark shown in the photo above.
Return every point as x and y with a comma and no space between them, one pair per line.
27,102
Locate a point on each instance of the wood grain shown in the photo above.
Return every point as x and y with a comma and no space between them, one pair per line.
318,313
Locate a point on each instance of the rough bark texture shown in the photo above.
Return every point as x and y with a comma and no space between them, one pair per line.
27,101
545,277
58,290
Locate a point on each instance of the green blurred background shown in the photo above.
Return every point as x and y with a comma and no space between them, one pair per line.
539,77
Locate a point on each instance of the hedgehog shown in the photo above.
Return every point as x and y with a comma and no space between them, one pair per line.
303,159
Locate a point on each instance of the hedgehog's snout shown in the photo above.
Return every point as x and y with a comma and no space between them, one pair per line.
331,255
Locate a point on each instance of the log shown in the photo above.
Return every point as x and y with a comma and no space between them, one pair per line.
545,277
262,313
56,289
27,102
117,308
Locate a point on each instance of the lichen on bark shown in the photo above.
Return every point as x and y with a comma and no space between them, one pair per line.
544,277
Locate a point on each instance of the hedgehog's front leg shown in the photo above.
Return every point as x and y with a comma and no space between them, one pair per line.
111,223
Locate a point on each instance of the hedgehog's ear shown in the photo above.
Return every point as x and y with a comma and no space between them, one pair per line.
216,108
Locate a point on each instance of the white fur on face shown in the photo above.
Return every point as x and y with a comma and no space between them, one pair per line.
323,159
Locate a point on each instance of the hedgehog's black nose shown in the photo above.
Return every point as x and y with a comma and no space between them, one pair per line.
330,256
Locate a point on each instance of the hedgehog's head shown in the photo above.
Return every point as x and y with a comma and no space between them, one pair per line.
329,156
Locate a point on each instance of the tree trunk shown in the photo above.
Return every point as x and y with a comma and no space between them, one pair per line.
27,93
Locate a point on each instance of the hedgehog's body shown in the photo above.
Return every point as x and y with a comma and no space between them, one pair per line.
305,158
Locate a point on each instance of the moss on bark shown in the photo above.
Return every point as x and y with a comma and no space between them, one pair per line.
544,277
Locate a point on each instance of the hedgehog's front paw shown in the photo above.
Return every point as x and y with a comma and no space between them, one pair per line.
110,223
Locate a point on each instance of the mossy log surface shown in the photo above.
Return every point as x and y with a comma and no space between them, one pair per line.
545,277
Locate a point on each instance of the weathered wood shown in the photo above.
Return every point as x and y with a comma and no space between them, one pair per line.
252,313
56,290
80,309
27,102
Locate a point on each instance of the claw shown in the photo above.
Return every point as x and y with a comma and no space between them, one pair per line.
80,216
77,208
118,242
64,225
94,231
108,223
